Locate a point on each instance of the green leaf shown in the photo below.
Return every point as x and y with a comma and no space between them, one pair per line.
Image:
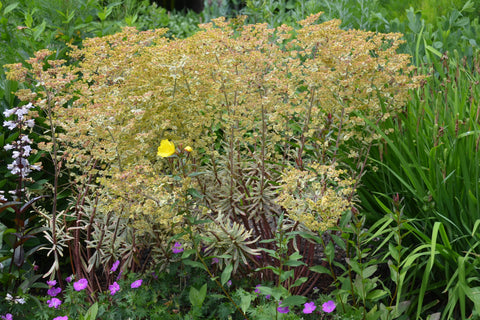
434,51
286,274
339,241
293,301
92,312
197,296
354,265
299,282
294,263
38,31
10,8
187,253
245,301
320,269
367,272
330,251
393,252
226,274
376,295
195,264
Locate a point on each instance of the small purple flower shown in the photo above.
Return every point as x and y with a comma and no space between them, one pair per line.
328,306
61,318
282,309
51,283
36,267
177,247
135,284
214,260
8,316
54,303
115,266
68,279
257,290
268,296
53,292
154,275
114,288
80,284
119,275
309,307
229,283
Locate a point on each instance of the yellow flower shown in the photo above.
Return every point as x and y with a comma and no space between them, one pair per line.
188,149
166,149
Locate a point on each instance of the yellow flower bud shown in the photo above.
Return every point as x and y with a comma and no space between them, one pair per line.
166,149
188,149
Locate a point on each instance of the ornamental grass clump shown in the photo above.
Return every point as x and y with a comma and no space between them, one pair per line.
255,104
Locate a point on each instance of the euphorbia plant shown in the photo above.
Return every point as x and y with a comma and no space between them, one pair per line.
250,99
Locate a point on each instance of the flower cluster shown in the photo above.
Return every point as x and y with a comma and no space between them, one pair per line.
53,291
309,307
177,247
21,148
115,287
16,300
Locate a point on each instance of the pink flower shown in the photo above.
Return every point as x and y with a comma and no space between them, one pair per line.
282,309
135,284
68,279
328,306
51,283
54,303
8,316
177,247
80,284
257,289
309,307
113,288
53,292
61,318
115,266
